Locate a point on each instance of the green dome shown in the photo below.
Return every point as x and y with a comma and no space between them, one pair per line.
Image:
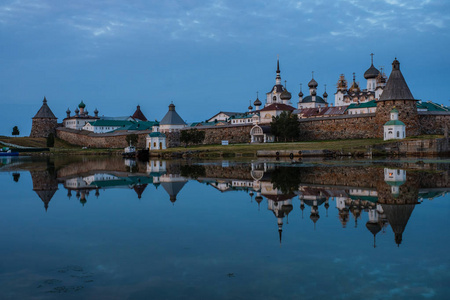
81,105
394,110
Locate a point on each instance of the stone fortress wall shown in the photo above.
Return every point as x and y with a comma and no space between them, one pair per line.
85,138
326,128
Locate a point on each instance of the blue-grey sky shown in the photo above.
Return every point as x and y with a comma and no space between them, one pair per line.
206,56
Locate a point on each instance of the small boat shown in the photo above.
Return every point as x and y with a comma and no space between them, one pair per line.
129,151
5,151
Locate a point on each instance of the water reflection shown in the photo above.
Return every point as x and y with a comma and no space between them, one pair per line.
388,194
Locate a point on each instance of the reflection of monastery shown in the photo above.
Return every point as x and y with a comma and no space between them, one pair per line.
155,175
383,197
385,207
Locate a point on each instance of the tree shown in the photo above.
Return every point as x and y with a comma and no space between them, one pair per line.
286,179
193,136
285,127
132,139
51,140
185,137
16,177
15,130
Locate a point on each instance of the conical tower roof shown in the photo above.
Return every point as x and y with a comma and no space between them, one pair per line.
44,111
138,114
396,87
172,117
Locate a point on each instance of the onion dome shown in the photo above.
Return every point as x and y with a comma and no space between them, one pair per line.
257,102
300,94
313,84
96,111
77,111
285,95
68,111
250,107
258,199
371,72
81,105
325,95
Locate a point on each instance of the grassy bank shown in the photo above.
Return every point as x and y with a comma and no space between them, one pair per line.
244,150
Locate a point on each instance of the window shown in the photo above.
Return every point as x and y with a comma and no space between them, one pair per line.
398,133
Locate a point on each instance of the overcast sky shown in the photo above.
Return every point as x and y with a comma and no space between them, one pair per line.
207,56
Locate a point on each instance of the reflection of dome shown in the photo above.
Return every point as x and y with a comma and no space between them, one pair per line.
258,199
287,208
343,217
374,228
314,217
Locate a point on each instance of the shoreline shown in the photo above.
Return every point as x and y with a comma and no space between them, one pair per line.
415,146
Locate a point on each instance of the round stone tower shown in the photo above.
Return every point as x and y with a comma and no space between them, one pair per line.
397,94
44,122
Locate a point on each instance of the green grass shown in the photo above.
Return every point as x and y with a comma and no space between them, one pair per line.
251,149
244,150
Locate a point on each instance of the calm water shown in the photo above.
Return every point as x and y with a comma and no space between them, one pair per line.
105,228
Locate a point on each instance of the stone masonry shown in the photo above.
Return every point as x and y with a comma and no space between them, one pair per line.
407,113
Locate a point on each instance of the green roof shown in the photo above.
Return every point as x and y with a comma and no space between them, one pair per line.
394,110
110,123
431,106
362,105
243,116
395,183
157,134
141,125
124,181
394,122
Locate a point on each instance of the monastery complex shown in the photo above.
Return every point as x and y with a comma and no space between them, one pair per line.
385,108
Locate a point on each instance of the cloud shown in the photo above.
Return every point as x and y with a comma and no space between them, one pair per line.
194,21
